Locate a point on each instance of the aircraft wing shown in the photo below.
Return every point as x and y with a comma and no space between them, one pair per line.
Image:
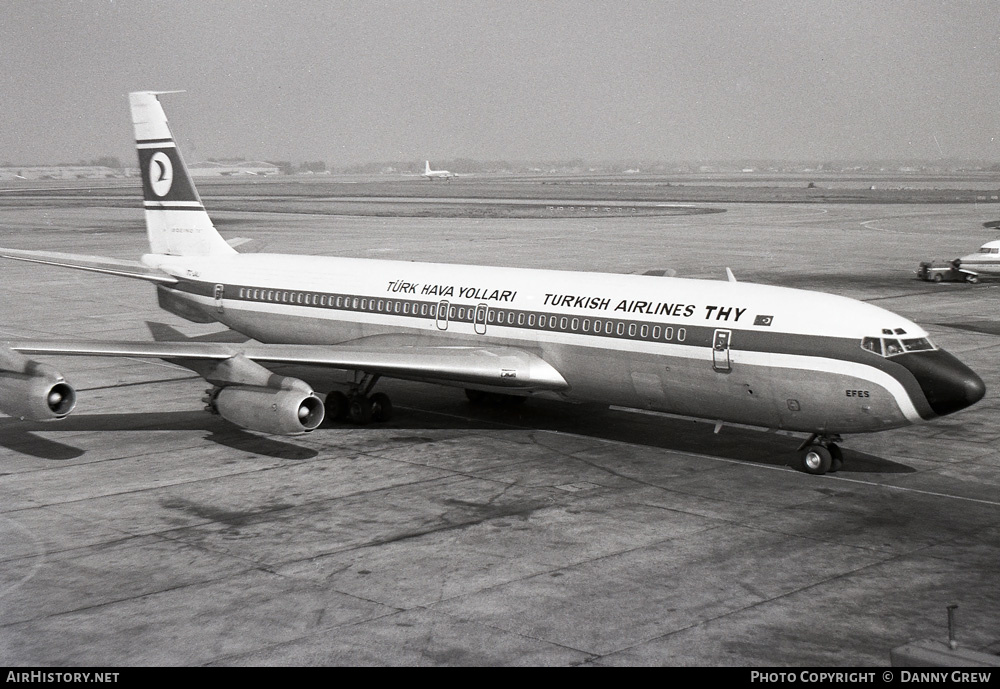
94,264
508,367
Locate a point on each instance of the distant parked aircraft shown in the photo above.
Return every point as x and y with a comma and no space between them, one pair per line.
436,174
986,260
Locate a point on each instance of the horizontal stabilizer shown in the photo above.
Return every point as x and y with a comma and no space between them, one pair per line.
94,264
162,332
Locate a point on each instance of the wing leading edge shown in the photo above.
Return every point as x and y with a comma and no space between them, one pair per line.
507,367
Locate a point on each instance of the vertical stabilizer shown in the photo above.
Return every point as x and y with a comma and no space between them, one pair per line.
427,167
176,220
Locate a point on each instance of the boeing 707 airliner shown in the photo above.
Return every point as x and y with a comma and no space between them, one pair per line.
726,351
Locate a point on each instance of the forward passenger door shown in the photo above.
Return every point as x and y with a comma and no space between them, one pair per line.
720,351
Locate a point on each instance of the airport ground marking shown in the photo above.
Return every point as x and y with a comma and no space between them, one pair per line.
39,558
867,225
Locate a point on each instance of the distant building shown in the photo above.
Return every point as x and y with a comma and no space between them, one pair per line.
59,172
212,168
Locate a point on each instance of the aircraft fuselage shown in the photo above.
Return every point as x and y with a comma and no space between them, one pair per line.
724,351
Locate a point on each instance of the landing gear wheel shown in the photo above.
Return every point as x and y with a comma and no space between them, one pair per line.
817,460
381,407
837,458
336,406
360,410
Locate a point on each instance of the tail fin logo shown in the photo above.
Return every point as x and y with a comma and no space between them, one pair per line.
161,173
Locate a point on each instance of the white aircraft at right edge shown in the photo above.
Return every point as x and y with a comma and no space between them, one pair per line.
725,351
436,174
985,260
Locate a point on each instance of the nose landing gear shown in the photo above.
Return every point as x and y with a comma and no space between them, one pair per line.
821,454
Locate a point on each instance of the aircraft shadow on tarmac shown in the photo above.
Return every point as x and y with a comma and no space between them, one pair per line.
23,436
648,430
654,431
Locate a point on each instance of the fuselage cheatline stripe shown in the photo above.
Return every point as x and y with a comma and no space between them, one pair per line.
648,332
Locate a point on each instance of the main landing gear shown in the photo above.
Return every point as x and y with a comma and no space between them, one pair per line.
820,454
358,405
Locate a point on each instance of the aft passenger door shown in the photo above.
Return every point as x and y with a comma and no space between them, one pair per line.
479,320
720,351
442,315
220,291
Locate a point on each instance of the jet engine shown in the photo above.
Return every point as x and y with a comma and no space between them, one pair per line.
266,409
253,397
32,390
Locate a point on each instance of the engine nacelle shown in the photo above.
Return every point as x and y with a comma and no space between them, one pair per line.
269,410
40,393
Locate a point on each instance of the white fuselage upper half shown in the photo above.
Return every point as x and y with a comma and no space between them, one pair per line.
669,300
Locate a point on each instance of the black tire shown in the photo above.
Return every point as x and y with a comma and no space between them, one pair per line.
972,279
381,407
837,458
937,277
360,410
336,406
816,460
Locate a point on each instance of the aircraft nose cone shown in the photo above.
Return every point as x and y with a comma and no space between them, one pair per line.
947,383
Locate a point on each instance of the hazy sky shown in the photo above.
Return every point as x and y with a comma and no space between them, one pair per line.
350,82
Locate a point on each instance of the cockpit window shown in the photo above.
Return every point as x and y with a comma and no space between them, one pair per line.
890,346
918,344
872,344
989,250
